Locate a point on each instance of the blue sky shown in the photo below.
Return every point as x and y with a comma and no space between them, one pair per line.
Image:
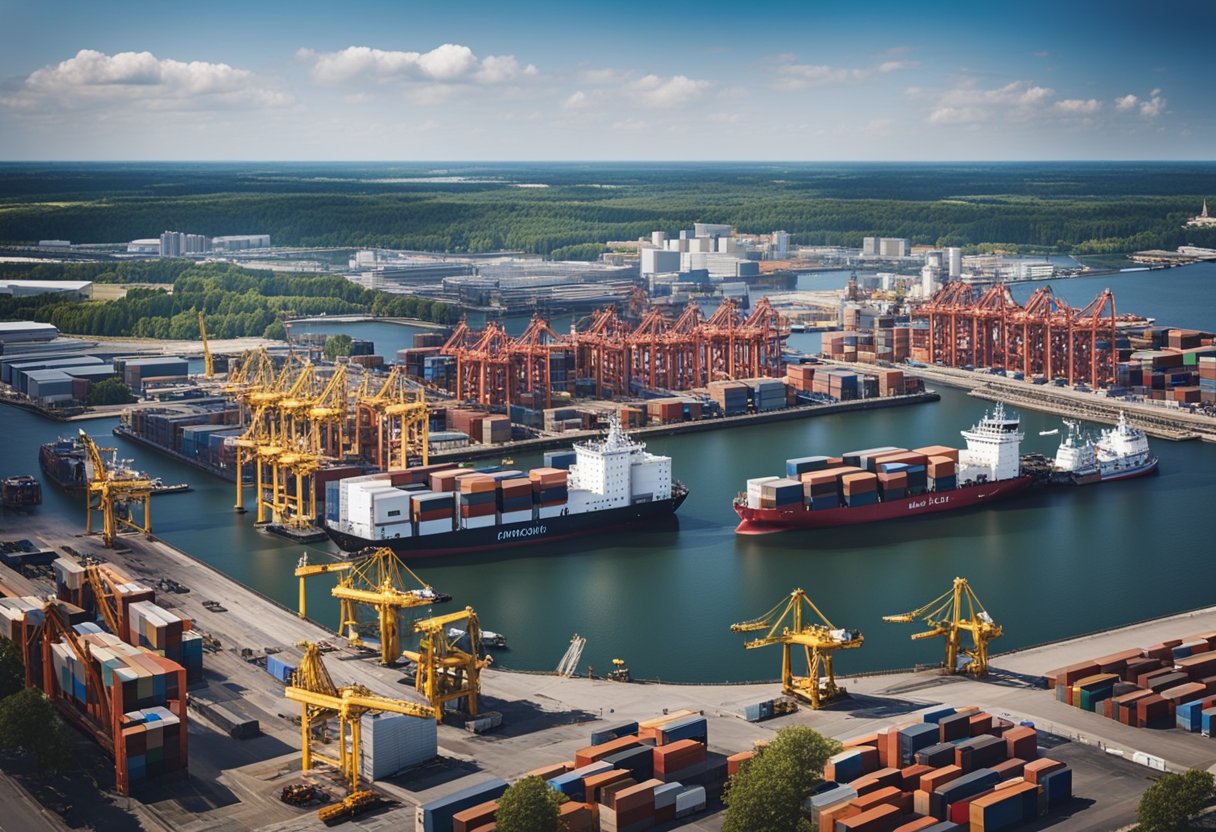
518,80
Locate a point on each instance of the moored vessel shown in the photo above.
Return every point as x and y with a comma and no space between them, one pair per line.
1119,453
888,483
63,462
601,486
20,493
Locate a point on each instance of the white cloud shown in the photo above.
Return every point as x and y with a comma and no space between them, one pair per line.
1078,105
656,91
449,63
576,101
958,115
600,76
629,124
1154,107
795,76
1150,107
92,77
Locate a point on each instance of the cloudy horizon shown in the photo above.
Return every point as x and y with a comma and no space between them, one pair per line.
530,82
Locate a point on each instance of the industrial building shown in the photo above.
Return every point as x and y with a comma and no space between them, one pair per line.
886,247
81,289
12,332
240,242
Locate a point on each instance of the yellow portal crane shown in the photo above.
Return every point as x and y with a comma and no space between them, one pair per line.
321,700
112,491
208,366
328,415
447,672
944,616
380,581
785,626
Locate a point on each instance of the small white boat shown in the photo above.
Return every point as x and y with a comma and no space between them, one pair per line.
1049,432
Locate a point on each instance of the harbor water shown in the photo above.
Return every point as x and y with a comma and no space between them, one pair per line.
1052,564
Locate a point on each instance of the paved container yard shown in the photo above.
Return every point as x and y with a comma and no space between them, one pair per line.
234,784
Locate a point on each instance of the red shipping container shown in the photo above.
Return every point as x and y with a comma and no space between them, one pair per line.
877,780
960,810
980,724
878,819
734,761
911,776
930,782
576,817
475,818
594,785
1009,769
595,753
1041,767
1021,742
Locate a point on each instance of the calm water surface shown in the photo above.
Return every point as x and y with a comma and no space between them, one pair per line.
1048,565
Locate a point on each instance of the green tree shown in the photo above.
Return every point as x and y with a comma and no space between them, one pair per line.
767,793
28,723
1170,803
336,345
12,668
110,391
528,806
275,331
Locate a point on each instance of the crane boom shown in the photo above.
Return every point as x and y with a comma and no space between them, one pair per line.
208,366
953,613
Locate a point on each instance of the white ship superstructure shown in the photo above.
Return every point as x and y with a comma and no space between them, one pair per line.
1118,453
616,471
993,448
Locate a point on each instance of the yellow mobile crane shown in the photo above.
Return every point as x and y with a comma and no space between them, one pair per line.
785,626
208,366
112,490
447,672
321,700
944,616
378,580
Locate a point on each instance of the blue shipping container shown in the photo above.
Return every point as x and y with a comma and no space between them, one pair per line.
436,816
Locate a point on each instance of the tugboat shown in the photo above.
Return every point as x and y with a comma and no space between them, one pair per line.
21,493
1119,453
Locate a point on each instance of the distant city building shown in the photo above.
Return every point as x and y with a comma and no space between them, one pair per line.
149,245
954,262
894,247
709,229
178,244
658,261
781,244
26,331
886,247
1204,219
240,242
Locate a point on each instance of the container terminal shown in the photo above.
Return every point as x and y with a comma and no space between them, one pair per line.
547,718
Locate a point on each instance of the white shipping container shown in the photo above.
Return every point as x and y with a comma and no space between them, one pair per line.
392,742
389,531
754,487
545,512
69,573
390,508
690,800
435,526
522,516
483,522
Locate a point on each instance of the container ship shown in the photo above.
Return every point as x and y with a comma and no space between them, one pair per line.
889,483
1119,453
21,493
63,462
600,486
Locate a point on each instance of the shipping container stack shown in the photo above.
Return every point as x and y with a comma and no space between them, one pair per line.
515,499
434,512
477,500
550,491
730,396
1168,684
147,699
801,377
782,492
957,769
1207,379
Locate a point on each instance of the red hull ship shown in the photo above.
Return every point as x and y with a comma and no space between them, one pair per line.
889,483
771,520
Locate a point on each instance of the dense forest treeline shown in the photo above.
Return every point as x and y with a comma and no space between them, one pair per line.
1080,208
237,302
